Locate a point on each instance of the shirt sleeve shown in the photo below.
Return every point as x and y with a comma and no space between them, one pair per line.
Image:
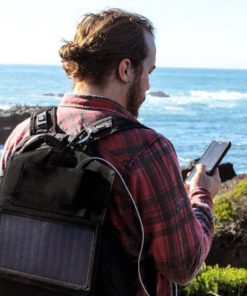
20,132
178,228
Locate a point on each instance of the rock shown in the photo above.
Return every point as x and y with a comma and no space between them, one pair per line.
54,95
10,118
226,253
229,184
160,94
226,171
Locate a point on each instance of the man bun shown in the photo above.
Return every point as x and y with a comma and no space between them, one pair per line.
73,57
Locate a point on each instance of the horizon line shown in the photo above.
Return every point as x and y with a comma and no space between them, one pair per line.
157,67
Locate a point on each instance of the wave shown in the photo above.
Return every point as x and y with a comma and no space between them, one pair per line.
5,106
219,95
174,109
217,99
32,99
202,95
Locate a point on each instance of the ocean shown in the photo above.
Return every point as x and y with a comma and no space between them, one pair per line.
201,104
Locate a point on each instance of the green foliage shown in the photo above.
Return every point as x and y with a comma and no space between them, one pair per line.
227,206
241,189
226,281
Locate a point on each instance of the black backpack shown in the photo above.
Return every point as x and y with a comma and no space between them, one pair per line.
53,200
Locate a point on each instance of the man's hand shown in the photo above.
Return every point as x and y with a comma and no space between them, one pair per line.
201,179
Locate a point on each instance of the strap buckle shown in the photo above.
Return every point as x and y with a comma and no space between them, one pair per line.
91,132
41,121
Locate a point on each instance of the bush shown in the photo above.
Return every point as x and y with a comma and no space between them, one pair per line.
227,281
230,211
229,205
241,189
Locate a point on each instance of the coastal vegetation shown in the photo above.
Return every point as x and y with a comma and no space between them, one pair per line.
225,271
217,281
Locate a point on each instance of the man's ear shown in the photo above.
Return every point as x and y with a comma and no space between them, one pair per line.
125,70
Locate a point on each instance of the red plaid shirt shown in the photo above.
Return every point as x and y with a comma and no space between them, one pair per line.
178,228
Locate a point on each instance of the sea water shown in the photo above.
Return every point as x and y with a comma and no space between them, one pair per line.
200,104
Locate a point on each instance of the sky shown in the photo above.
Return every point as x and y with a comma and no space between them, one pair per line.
189,33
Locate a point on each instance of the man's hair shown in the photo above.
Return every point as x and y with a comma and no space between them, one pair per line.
102,41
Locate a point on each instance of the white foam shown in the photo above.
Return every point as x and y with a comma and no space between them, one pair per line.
162,105
184,104
184,160
200,96
219,95
5,106
173,109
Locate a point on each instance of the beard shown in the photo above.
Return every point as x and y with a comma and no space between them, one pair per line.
134,98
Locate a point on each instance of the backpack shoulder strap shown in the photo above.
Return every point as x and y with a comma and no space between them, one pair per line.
122,124
104,128
44,121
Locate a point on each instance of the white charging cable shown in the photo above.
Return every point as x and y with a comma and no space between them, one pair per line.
139,219
137,214
176,289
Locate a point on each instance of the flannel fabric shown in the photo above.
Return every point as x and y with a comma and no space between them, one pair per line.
178,228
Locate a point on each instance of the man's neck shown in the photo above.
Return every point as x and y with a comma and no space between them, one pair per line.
111,91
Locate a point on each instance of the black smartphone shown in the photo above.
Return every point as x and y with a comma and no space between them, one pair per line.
212,157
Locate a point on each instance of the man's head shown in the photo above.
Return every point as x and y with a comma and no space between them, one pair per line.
104,43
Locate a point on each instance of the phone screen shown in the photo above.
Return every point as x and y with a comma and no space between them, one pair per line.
212,157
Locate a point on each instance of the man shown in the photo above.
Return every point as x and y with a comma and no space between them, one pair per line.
109,61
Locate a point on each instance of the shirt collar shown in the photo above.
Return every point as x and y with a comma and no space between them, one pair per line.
95,103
